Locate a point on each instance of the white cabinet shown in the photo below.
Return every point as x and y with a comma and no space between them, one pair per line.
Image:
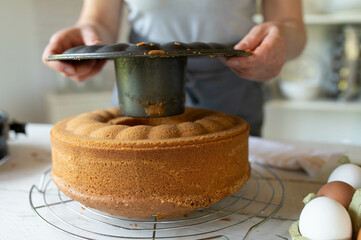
325,18
320,119
313,121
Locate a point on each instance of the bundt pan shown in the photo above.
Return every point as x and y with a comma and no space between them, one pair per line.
143,167
150,77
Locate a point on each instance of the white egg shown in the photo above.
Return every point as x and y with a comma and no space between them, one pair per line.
325,218
348,173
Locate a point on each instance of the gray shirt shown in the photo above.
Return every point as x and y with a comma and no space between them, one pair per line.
223,21
209,83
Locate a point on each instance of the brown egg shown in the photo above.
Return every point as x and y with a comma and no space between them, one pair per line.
340,191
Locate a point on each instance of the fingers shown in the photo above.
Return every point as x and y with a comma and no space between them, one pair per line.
252,39
60,66
65,39
243,62
87,69
68,38
90,36
265,42
273,43
269,54
64,67
58,43
81,68
98,66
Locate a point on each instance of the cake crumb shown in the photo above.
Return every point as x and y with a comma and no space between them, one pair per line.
34,154
82,207
226,219
141,44
154,110
154,52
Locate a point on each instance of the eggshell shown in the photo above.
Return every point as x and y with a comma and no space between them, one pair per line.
325,218
340,191
348,173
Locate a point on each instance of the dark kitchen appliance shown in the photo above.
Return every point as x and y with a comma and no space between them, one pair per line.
5,127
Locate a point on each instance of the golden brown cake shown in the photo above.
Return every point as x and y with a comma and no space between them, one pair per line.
139,167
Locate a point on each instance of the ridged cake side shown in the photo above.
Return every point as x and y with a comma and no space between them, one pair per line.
114,130
165,177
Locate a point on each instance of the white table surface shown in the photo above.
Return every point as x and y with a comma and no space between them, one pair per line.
30,156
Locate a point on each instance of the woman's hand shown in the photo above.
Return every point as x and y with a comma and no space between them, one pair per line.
72,37
98,23
281,37
269,53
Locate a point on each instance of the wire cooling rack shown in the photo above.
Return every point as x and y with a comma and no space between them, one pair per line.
236,216
4,159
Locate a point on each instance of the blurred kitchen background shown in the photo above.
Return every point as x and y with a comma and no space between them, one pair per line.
315,98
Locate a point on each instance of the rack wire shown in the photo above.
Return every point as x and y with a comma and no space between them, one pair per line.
253,205
3,159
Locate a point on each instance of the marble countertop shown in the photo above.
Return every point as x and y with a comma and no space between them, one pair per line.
30,157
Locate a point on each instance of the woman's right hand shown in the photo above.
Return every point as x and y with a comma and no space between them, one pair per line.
71,37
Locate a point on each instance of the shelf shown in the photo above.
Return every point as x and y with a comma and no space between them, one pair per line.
316,105
325,19
351,18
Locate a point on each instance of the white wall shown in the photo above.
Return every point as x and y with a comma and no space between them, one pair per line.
25,28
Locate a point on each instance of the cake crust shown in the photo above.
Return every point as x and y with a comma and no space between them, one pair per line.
143,167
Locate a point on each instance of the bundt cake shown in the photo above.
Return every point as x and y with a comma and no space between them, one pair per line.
140,167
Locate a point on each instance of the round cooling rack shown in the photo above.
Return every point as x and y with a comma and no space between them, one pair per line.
238,215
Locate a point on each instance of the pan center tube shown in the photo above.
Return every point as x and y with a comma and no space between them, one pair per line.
150,87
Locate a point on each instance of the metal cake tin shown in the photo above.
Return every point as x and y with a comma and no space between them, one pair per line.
150,77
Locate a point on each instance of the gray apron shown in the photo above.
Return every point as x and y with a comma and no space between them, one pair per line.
212,85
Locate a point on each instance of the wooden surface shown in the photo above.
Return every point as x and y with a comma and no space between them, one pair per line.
30,156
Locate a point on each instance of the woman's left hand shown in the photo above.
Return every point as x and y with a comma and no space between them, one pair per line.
269,53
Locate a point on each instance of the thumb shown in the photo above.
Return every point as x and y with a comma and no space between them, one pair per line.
242,45
90,36
252,39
